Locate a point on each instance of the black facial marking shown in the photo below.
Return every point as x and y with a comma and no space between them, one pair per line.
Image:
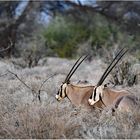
94,94
100,98
90,97
61,90
58,92
65,90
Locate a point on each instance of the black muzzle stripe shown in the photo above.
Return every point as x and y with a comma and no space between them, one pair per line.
61,91
94,94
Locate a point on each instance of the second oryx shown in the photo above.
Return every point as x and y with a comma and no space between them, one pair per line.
115,99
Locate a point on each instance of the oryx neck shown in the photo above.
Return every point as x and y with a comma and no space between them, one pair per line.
78,95
102,101
109,96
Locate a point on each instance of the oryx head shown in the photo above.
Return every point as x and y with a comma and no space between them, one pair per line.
62,92
98,90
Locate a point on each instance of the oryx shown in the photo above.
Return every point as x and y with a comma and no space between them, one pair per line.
77,94
116,99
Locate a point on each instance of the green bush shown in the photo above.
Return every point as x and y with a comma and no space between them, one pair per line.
62,37
65,35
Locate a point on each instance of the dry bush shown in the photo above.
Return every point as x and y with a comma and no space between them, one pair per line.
65,121
32,50
121,125
123,74
36,121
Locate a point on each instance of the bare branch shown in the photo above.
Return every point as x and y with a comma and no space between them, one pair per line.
20,80
46,81
33,91
3,74
39,91
9,46
5,49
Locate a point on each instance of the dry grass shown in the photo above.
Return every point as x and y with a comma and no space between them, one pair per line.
23,117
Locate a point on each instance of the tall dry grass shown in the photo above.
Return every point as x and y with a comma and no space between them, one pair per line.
23,117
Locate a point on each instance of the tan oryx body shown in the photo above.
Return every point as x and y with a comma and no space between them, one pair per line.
121,100
115,99
78,94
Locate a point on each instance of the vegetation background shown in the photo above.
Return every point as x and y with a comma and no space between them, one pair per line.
44,38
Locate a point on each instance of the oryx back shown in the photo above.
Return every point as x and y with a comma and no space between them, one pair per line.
127,103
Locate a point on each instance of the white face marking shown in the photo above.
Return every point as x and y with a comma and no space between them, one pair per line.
61,93
91,101
99,91
58,97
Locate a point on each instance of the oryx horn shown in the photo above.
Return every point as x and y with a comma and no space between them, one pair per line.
74,68
111,66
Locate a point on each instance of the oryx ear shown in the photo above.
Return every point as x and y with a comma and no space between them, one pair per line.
105,85
68,82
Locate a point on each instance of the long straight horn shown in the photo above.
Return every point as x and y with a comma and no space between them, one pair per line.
113,66
110,67
76,67
72,69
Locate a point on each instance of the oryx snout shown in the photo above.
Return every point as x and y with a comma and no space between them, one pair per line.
58,98
91,101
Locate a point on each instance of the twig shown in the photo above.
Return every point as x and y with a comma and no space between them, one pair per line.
46,81
5,49
3,74
20,80
11,43
37,92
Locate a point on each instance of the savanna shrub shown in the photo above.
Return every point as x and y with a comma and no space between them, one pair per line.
67,36
124,74
63,35
32,50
